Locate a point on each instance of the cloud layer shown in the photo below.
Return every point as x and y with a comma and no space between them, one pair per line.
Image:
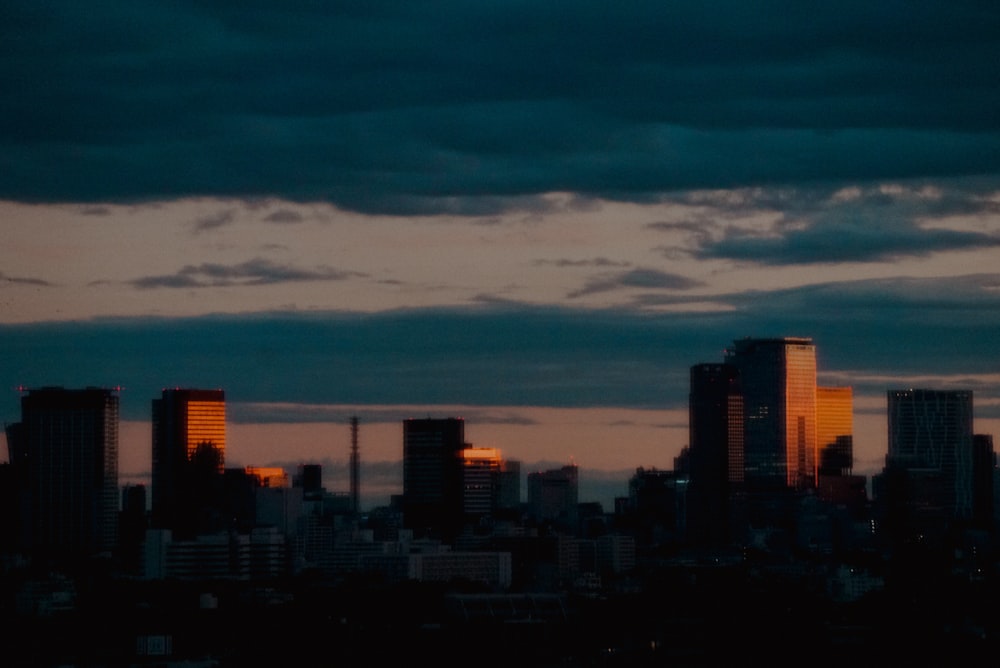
455,107
867,333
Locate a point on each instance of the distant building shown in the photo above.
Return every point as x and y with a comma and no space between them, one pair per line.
481,469
655,511
778,380
258,555
189,449
132,525
835,430
984,463
65,457
553,496
835,481
509,486
715,407
269,476
432,476
310,478
928,478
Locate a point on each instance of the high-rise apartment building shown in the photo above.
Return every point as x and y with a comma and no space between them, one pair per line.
189,449
778,381
715,424
931,440
65,453
432,475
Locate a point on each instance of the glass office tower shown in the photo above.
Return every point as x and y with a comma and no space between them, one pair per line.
835,430
931,437
778,380
189,445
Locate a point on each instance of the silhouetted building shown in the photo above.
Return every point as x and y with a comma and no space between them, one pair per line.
655,512
133,522
928,477
553,496
65,453
189,447
984,462
509,487
480,481
310,479
715,423
432,476
778,381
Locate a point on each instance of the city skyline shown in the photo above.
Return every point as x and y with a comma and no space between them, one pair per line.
535,218
384,473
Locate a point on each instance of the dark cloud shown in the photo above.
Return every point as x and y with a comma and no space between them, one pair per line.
453,107
298,413
22,280
593,262
510,355
284,216
258,271
651,279
215,220
862,238
826,225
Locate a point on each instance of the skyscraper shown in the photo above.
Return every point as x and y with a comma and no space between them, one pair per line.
834,430
553,495
931,439
715,424
984,467
480,481
65,450
189,448
432,475
778,380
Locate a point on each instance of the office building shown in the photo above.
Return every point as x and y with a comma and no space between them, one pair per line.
835,430
553,496
189,449
778,382
432,475
65,454
656,506
984,464
509,487
931,442
715,424
480,481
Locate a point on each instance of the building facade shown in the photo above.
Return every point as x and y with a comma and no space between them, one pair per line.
432,475
931,443
778,380
834,430
189,450
65,453
553,495
715,424
480,481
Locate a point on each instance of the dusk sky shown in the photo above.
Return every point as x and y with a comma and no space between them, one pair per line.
533,215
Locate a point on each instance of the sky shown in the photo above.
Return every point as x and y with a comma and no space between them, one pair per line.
533,215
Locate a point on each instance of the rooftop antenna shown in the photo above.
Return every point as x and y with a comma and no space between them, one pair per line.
355,467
